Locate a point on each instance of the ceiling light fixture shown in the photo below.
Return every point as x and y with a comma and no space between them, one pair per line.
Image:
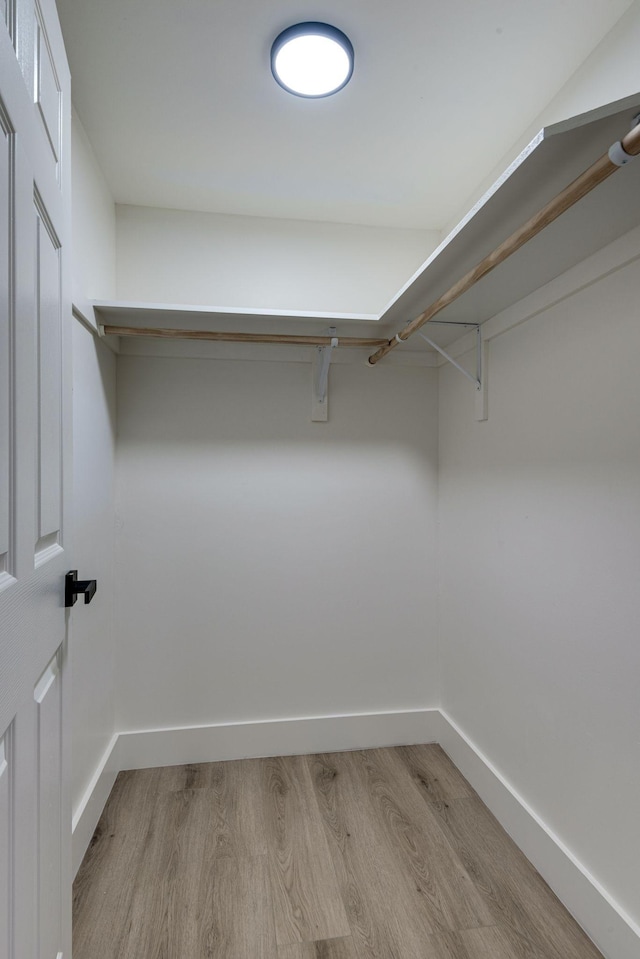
312,59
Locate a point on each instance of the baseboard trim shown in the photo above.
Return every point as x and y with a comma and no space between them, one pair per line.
89,809
140,749
615,933
276,737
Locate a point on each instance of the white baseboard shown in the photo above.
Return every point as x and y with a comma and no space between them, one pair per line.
615,933
142,749
277,737
89,810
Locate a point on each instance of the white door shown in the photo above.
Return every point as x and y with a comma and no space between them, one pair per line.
35,314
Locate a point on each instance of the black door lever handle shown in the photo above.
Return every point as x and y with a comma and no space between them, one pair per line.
73,586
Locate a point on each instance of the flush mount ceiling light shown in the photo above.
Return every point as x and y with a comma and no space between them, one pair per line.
312,59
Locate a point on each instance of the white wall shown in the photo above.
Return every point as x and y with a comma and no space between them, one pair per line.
540,559
176,256
267,566
93,223
609,73
92,653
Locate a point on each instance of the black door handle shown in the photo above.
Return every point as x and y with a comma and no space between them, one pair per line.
73,586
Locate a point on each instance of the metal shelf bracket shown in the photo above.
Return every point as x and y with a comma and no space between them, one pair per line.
320,379
479,380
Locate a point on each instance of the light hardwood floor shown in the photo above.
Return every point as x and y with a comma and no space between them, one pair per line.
377,854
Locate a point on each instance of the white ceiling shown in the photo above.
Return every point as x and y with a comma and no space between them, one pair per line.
180,106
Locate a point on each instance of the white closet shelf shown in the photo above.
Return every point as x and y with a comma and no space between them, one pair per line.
557,155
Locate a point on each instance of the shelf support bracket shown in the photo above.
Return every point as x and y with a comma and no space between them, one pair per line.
320,379
477,379
480,379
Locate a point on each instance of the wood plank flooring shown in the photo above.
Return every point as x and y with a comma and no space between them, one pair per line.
377,854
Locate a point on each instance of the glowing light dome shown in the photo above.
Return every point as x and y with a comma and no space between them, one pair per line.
312,59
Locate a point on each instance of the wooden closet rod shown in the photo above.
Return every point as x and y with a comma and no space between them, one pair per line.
290,339
585,183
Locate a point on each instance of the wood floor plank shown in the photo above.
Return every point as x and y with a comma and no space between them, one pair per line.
241,925
189,776
202,775
516,895
306,897
175,867
387,917
486,942
234,794
149,928
222,911
498,942
167,901
414,833
235,791
434,773
448,945
101,894
190,901
324,949
216,894
339,856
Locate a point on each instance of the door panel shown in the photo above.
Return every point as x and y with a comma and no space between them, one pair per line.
47,89
48,699
49,347
6,14
6,831
6,399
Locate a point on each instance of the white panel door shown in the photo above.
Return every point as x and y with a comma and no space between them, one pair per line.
35,316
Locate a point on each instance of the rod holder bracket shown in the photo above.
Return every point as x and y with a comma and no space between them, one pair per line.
320,379
618,155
